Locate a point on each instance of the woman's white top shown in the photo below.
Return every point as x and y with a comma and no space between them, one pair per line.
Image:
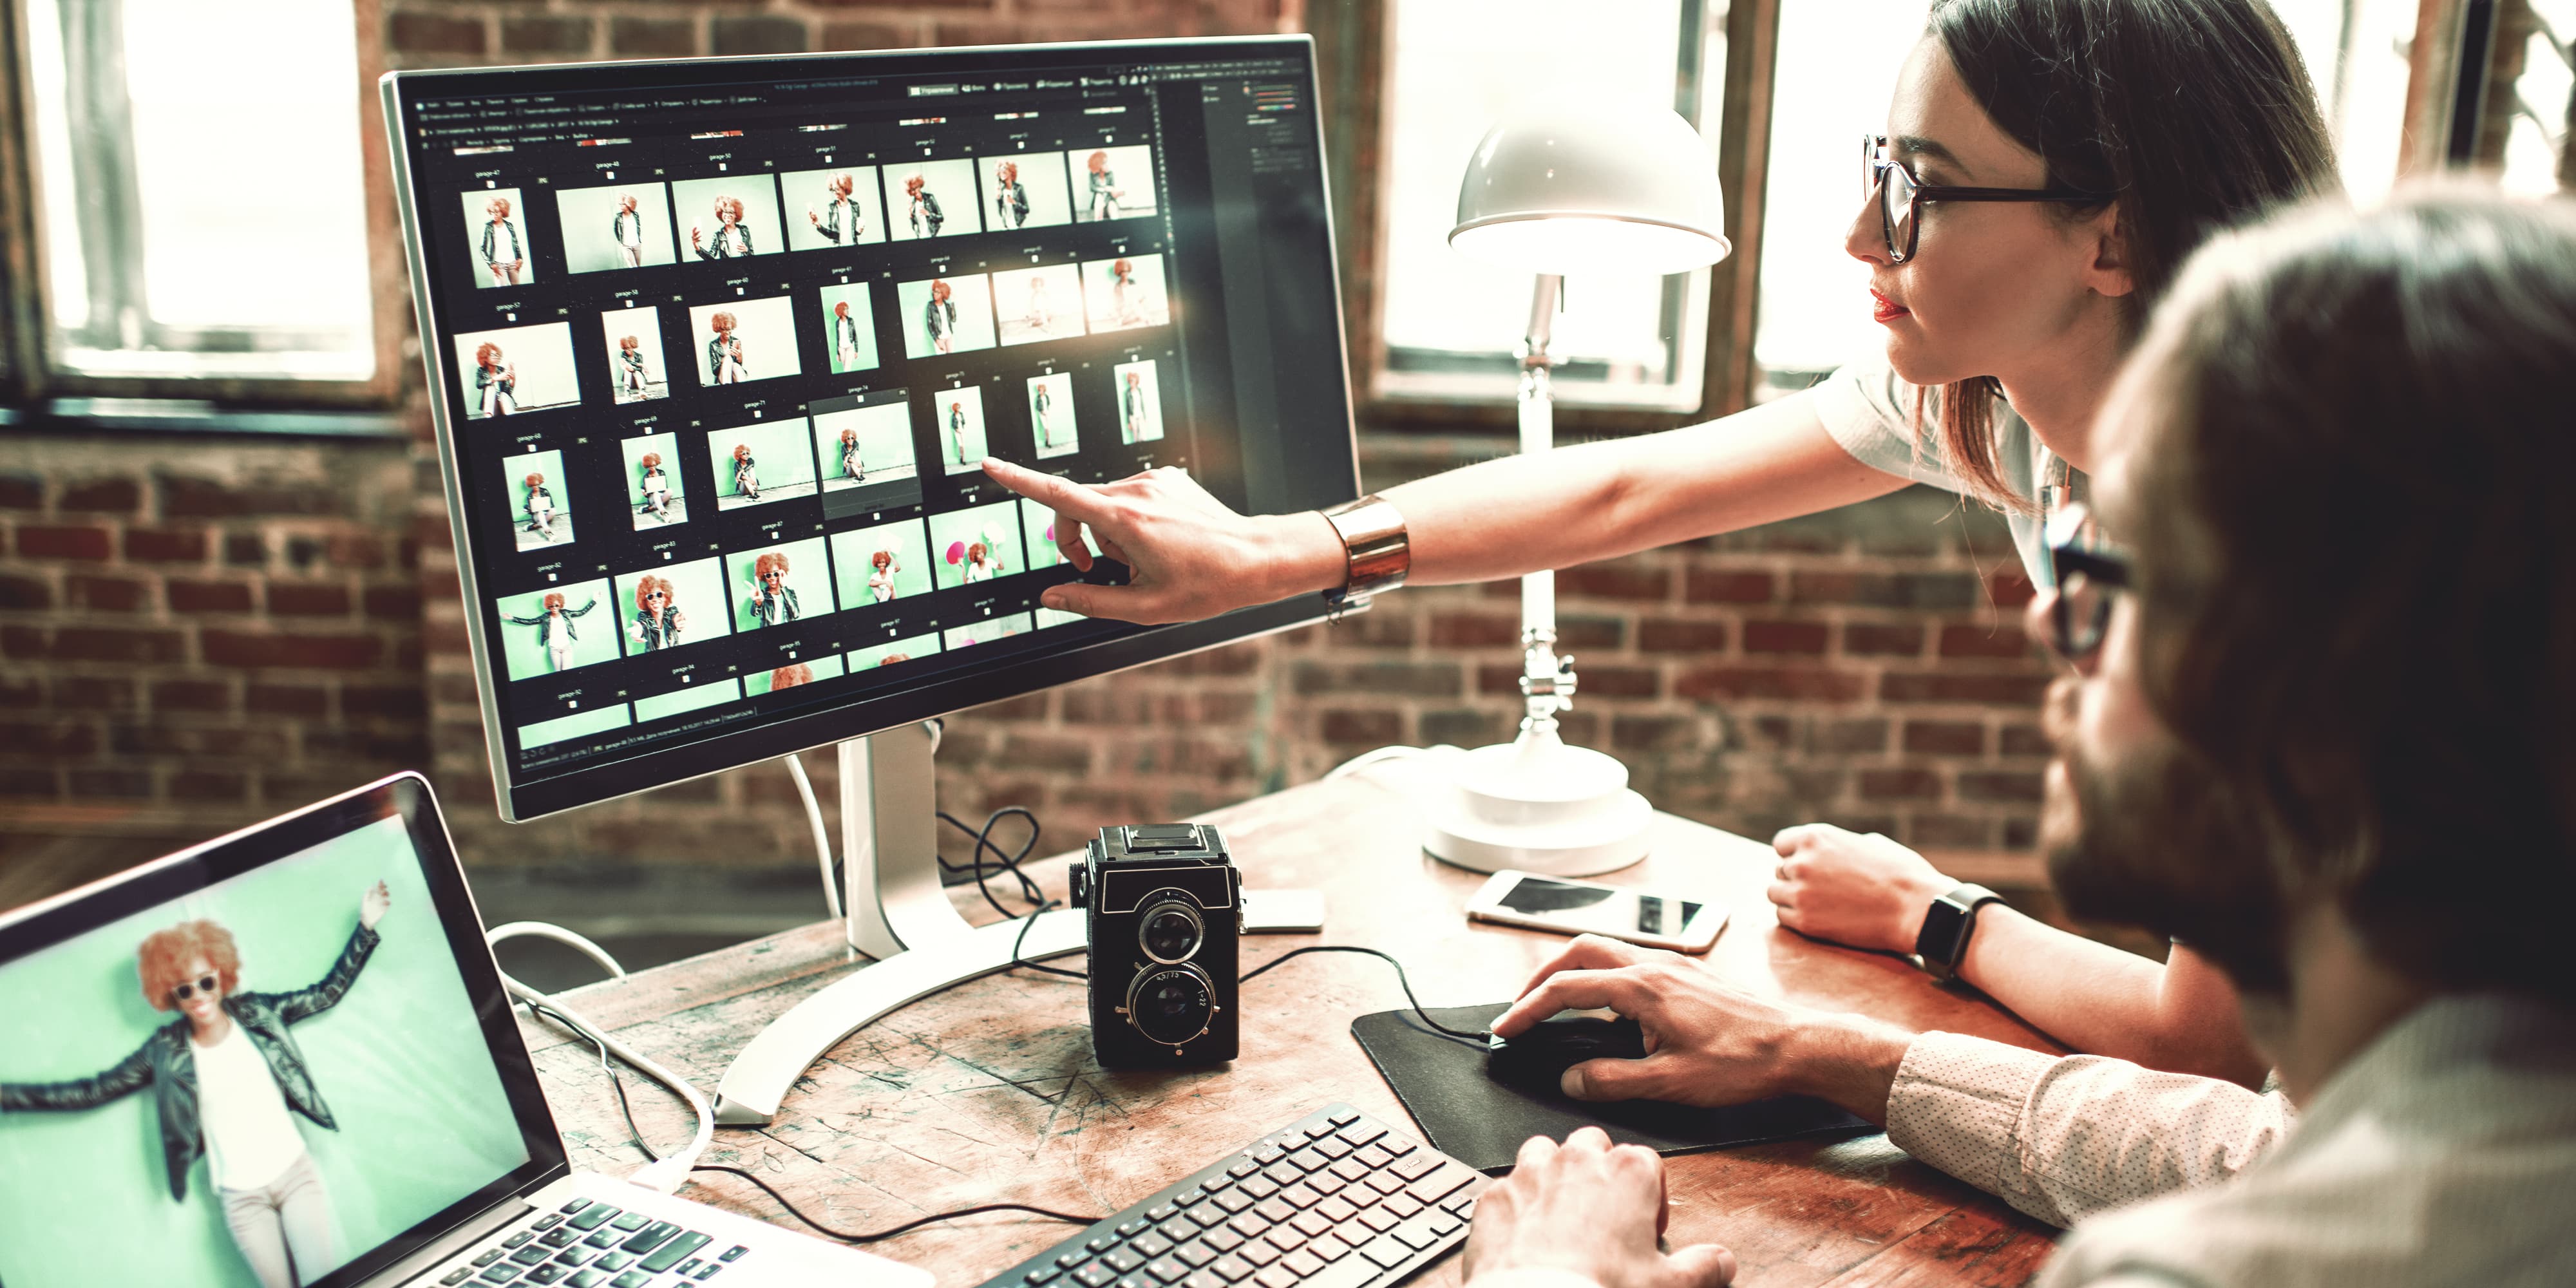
250,1140
1869,410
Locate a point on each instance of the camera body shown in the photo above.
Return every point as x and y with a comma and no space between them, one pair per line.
1163,913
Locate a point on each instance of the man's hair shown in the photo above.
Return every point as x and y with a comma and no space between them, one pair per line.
2357,570
166,954
2091,87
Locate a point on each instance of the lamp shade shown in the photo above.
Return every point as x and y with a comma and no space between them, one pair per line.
1587,188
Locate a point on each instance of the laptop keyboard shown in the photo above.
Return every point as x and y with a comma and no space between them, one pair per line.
596,1245
1334,1200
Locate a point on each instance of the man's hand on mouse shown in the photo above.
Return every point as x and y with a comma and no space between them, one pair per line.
1707,1043
1585,1208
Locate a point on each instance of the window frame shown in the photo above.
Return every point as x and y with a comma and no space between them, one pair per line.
28,378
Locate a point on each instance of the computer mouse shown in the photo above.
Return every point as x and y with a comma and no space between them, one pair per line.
1536,1061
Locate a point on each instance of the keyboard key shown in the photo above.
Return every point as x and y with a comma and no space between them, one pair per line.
1243,1169
1195,1253
593,1216
1386,1251
1179,1229
586,1279
1161,1212
1349,1169
1286,1238
1343,1117
1218,1181
1231,1269
606,1238
707,1271
1302,1263
1102,1242
531,1256
1234,1200
1394,1144
1187,1199
1131,1229
1094,1275
733,1253
672,1252
687,1266
614,1261
1202,1279
1258,1253
1440,1182
1274,1210
632,1221
518,1239
1223,1238
1259,1187
1123,1260
1333,1147
1408,1168
650,1237
1329,1248
1415,1234
545,1274
1379,1219
560,1238
1336,1210
489,1257
501,1274
1167,1270
1208,1215
1152,1244
1063,1260
1385,1182
572,1256
1311,1223
1402,1204
1373,1158
1326,1183
1250,1225
631,1279
1275,1277
1310,1160
457,1276
547,1222
1443,1223
1350,1272
1300,1195
574,1206
1267,1154
1359,1134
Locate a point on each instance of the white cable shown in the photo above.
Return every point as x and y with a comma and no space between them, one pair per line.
1371,759
668,1174
822,838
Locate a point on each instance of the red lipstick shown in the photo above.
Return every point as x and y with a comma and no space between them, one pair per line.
1888,310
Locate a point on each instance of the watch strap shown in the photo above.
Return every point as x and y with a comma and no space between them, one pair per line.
1947,925
1377,550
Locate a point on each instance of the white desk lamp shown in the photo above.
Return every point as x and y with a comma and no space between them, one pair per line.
1570,189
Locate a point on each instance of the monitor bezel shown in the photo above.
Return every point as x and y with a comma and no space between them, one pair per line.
47,923
520,802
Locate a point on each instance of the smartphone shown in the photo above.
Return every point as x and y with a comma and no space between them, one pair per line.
1572,907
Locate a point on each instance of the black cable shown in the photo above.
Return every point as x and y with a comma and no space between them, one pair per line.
624,1107
890,1232
1021,939
1003,862
1476,1040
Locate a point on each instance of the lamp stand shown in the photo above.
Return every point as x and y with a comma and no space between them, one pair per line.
1535,803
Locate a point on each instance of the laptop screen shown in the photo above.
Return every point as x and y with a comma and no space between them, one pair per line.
280,1059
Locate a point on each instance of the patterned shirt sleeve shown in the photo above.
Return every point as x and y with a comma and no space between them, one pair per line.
2063,1137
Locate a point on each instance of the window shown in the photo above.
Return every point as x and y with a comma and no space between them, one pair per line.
1446,326
201,194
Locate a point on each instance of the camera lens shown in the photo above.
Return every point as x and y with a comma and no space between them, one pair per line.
1171,931
1171,1005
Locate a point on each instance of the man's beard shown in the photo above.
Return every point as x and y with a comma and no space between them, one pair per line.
2161,841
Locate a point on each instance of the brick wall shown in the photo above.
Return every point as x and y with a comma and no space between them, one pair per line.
1864,667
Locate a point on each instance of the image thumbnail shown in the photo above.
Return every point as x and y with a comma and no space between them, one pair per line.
727,217
1038,522
791,675
987,631
1038,303
958,417
932,199
1051,414
653,481
892,652
680,701
625,225
780,584
865,445
849,328
881,564
1125,292
516,369
562,728
545,631
635,370
1114,183
976,544
536,483
745,340
1026,191
673,605
836,207
497,229
1059,617
1140,401
945,315
761,462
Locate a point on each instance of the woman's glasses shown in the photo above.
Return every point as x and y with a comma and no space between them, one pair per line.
205,985
1901,197
2086,577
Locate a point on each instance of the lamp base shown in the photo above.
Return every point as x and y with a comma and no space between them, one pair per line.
1538,805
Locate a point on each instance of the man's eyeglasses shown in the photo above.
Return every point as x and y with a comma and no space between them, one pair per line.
205,985
1901,196
2085,577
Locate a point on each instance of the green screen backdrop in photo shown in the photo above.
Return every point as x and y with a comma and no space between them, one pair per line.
996,525
666,446
874,655
781,453
885,438
855,294
824,668
594,634
809,574
401,1063
697,590
853,561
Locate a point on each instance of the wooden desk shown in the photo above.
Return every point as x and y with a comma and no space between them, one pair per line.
988,1093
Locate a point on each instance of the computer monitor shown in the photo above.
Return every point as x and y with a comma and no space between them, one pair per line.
715,347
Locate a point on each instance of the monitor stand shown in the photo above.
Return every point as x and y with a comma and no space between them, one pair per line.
898,913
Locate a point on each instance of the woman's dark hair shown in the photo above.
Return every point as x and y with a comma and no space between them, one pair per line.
2357,566
2189,115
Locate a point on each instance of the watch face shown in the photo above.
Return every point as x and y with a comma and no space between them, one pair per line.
1938,944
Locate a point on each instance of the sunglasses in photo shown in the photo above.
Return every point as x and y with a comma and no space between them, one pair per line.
205,985
1901,196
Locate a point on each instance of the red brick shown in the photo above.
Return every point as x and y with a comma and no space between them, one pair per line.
356,551
308,600
1851,737
2025,740
391,702
208,785
545,34
106,594
192,695
393,603
1474,630
126,784
165,545
107,496
1375,728
303,700
28,593
1795,684
1945,738
1587,632
1064,755
1983,641
865,35
2009,588
1899,784
93,693
1785,637
51,541
1377,628
1471,728
655,37
1675,635
1098,704
1402,679
1949,831
1871,639
1624,581
207,596
106,644
339,652
1924,590
1718,586
50,737
1590,681
40,784
762,34
1653,733
1233,659
22,641
1027,706
1993,690
21,492
2000,786
413,32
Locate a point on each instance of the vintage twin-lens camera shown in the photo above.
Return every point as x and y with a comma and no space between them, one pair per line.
1164,914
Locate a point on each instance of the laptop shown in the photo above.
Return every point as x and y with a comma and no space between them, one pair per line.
283,1059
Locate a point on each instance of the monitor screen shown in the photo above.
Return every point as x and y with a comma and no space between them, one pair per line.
250,1063
718,347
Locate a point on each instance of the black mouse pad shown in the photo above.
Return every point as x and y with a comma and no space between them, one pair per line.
1482,1123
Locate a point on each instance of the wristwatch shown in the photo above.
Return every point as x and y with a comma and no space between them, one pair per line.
1377,551
1943,942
